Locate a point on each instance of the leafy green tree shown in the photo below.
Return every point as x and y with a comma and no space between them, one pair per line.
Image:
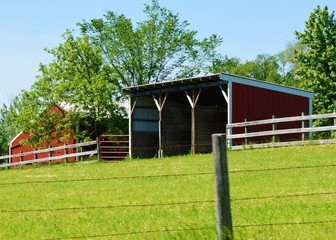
316,61
159,48
287,64
225,64
8,130
265,67
78,80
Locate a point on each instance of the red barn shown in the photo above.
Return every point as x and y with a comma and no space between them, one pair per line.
15,146
176,117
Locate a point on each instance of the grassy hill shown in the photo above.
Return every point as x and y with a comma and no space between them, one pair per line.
285,193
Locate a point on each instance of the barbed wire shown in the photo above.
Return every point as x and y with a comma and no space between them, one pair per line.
283,196
283,224
281,168
134,233
110,206
161,204
110,178
168,175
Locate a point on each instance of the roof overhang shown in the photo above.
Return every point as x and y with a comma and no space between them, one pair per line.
209,81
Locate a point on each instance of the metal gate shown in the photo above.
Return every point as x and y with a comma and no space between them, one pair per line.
113,147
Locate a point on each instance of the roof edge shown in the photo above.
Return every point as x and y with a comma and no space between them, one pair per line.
266,85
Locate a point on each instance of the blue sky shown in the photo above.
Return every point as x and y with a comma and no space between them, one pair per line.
247,27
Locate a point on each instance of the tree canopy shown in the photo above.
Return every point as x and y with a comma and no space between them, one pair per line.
316,61
162,47
78,80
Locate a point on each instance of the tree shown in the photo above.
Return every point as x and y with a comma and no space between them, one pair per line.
265,67
78,80
287,64
159,48
225,64
8,130
316,61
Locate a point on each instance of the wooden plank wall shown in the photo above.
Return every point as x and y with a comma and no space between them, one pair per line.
209,120
176,128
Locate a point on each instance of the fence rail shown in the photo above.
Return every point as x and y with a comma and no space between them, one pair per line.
50,158
276,132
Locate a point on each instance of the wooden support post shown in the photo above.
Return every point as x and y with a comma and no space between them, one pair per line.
193,123
303,126
159,104
223,208
130,124
160,153
193,101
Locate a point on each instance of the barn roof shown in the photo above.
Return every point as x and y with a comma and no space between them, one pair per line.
208,81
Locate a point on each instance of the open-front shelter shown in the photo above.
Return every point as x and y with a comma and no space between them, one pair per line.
177,117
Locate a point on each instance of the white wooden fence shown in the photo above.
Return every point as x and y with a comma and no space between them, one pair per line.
275,132
50,158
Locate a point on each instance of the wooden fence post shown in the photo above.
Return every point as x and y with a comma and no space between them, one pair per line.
274,127
303,126
245,132
50,155
98,148
35,154
335,124
223,208
65,152
21,158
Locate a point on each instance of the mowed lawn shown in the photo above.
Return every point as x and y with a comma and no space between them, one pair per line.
280,193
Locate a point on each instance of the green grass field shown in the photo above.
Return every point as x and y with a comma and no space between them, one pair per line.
173,198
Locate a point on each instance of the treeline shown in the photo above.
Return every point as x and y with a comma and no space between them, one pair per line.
102,56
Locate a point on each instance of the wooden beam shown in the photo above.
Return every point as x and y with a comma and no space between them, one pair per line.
193,102
160,104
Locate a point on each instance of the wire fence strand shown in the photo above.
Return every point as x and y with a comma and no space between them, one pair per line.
110,178
194,202
283,196
110,206
281,168
284,224
168,175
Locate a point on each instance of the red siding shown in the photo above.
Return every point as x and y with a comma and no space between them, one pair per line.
16,147
254,103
